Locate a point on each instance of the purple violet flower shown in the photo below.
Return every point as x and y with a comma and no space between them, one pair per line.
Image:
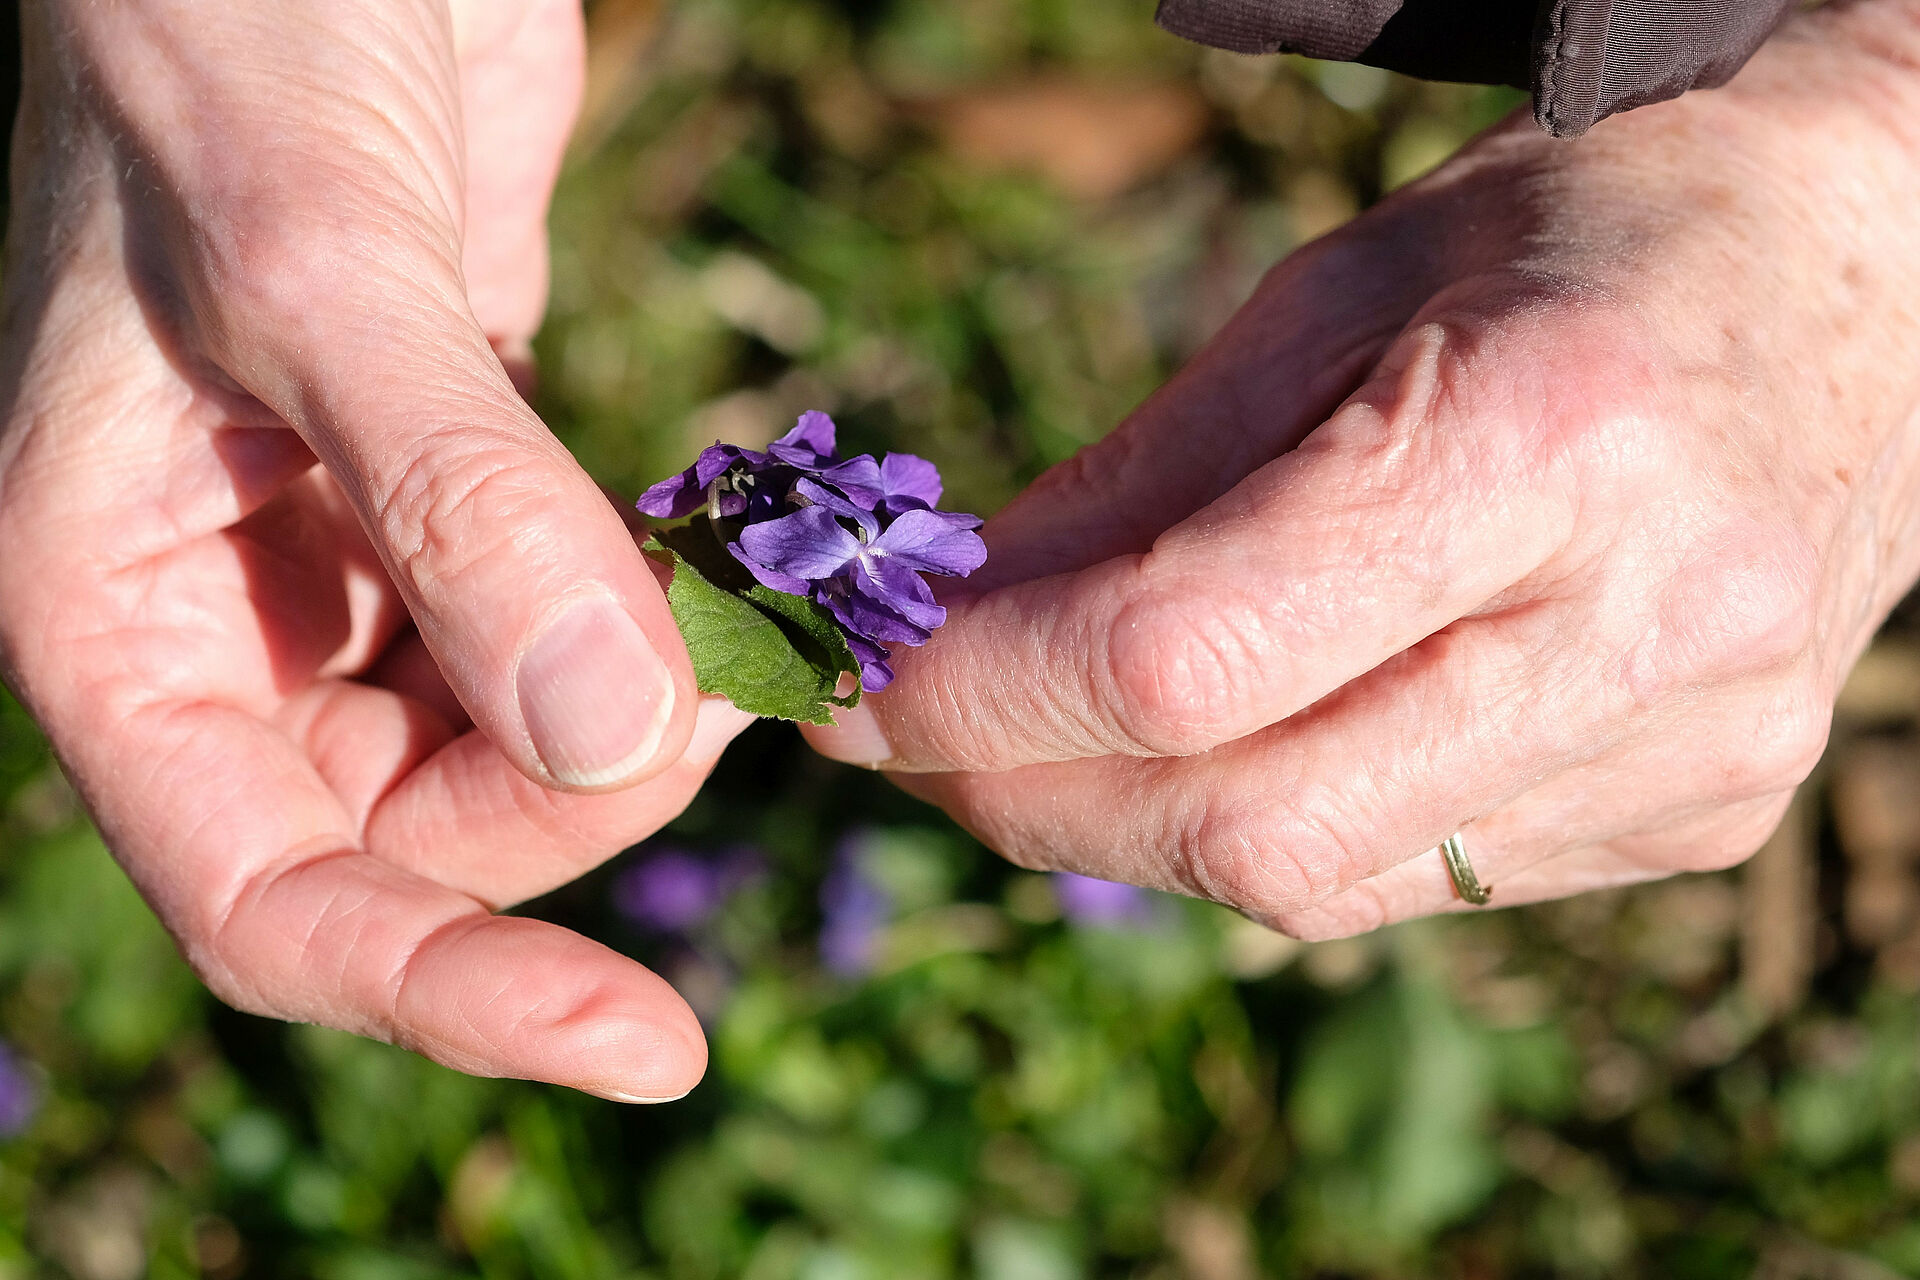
855,536
854,910
1101,903
675,891
876,673
19,1095
877,570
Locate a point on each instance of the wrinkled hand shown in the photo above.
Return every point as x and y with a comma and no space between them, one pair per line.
329,717
1550,501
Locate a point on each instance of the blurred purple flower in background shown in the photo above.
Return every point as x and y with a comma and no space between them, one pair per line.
19,1094
854,909
675,890
1102,903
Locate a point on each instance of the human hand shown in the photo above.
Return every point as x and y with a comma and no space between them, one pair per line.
330,717
1551,501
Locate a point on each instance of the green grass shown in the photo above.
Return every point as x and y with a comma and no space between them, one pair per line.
779,218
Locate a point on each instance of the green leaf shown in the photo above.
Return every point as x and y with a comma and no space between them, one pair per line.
770,653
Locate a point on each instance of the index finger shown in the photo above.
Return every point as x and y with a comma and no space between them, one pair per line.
257,870
1425,496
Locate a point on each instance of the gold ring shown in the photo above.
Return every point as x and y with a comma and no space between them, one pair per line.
1460,871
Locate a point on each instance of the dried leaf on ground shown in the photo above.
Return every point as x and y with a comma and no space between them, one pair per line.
1095,140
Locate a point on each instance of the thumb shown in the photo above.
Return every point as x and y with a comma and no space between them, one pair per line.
523,581
311,240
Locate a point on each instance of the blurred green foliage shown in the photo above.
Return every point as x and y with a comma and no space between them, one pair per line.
979,229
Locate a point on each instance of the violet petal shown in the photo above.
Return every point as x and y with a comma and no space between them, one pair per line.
770,578
810,444
821,496
908,481
865,650
676,496
859,479
808,543
876,673
935,541
858,613
686,493
717,457
898,589
767,499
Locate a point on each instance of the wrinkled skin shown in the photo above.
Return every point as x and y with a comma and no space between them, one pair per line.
1549,501
299,698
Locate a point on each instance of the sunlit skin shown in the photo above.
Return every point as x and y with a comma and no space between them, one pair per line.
1550,501
245,236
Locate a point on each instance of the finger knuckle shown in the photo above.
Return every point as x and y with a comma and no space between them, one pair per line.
218,945
226,985
941,702
1743,606
1734,841
403,996
1100,469
1265,859
1584,397
1783,743
1361,909
457,501
1604,445
1177,673
1388,427
1704,857
263,271
270,273
216,951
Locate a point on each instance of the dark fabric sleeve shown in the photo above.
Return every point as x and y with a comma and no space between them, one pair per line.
1583,59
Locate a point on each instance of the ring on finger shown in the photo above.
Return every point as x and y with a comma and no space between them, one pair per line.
1460,871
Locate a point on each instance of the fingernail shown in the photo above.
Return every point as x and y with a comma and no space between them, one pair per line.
595,695
855,738
715,724
636,1098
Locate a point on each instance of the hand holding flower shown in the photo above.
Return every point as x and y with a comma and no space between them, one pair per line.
330,632
1550,500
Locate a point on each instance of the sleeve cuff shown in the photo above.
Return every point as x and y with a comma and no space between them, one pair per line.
1584,60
